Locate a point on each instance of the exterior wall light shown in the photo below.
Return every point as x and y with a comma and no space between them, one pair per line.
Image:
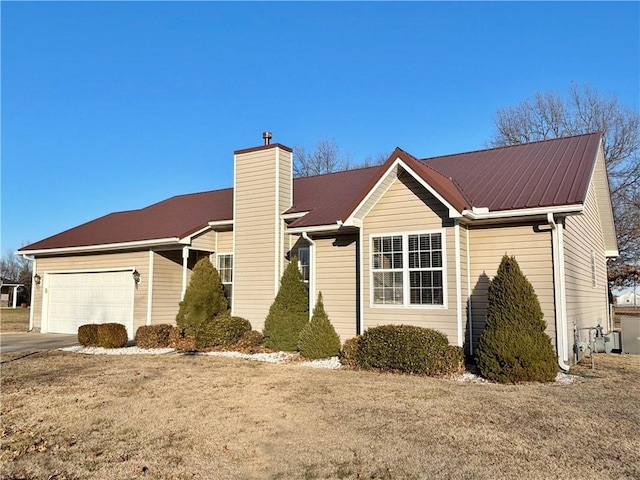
37,279
136,276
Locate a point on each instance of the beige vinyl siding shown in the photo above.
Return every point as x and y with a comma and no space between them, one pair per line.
89,263
586,306
408,207
258,248
336,278
225,242
533,252
464,283
167,286
205,241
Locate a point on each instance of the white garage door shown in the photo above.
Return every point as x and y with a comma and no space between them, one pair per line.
74,299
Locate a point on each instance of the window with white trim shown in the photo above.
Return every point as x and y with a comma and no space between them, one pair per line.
225,270
304,262
408,269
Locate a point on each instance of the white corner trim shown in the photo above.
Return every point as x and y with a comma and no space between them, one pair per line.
150,287
456,231
469,305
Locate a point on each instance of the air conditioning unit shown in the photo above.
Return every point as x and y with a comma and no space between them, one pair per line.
630,334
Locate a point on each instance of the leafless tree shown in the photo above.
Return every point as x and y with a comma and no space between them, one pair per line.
327,157
15,268
550,115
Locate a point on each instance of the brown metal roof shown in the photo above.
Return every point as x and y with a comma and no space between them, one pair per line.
175,217
548,173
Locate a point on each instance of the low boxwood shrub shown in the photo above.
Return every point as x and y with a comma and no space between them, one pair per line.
153,336
349,352
250,342
404,348
112,335
88,335
221,331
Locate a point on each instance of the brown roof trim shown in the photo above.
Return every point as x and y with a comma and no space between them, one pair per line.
263,147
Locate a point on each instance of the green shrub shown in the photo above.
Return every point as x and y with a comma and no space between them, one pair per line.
453,360
250,342
514,346
112,335
88,335
289,312
153,336
318,338
222,330
181,343
348,353
203,299
403,348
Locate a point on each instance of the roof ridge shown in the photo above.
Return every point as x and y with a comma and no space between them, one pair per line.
510,146
338,172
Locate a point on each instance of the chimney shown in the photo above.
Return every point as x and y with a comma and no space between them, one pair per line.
267,136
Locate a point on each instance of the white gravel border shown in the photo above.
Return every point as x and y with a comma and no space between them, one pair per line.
332,363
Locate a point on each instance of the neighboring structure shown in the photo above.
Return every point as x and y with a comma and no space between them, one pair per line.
628,299
9,293
411,241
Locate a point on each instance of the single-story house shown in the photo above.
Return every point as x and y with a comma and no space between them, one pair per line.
9,292
412,241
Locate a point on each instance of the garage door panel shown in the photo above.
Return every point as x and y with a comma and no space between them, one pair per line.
75,299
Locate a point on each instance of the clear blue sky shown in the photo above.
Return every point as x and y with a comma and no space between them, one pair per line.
117,105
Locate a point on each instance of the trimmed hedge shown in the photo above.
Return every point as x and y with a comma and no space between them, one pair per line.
349,352
180,342
250,342
112,335
153,336
221,330
407,349
88,335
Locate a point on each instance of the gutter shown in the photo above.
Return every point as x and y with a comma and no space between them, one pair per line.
557,241
484,213
312,271
106,246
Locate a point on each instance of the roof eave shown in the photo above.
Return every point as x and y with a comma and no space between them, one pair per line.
485,214
104,247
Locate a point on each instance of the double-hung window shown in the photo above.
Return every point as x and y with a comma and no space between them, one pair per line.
225,270
304,262
408,269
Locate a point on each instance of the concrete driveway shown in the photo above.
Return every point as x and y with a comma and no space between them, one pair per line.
31,342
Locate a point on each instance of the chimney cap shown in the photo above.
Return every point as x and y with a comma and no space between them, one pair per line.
267,136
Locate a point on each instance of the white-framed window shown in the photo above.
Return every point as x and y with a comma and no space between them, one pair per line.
225,270
304,262
408,269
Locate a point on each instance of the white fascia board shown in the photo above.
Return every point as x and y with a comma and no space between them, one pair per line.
221,223
351,220
523,212
315,229
611,253
290,216
103,247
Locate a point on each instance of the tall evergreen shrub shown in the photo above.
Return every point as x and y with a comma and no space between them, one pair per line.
203,299
318,338
514,346
289,312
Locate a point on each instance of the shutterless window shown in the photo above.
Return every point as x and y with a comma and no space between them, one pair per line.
304,262
225,270
408,269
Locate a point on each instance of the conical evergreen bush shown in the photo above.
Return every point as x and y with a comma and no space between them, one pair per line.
289,312
318,338
514,346
203,299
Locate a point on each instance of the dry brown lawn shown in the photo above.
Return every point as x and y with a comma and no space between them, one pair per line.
14,320
80,416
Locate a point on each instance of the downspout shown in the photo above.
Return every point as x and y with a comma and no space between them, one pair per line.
185,265
557,241
312,271
33,290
